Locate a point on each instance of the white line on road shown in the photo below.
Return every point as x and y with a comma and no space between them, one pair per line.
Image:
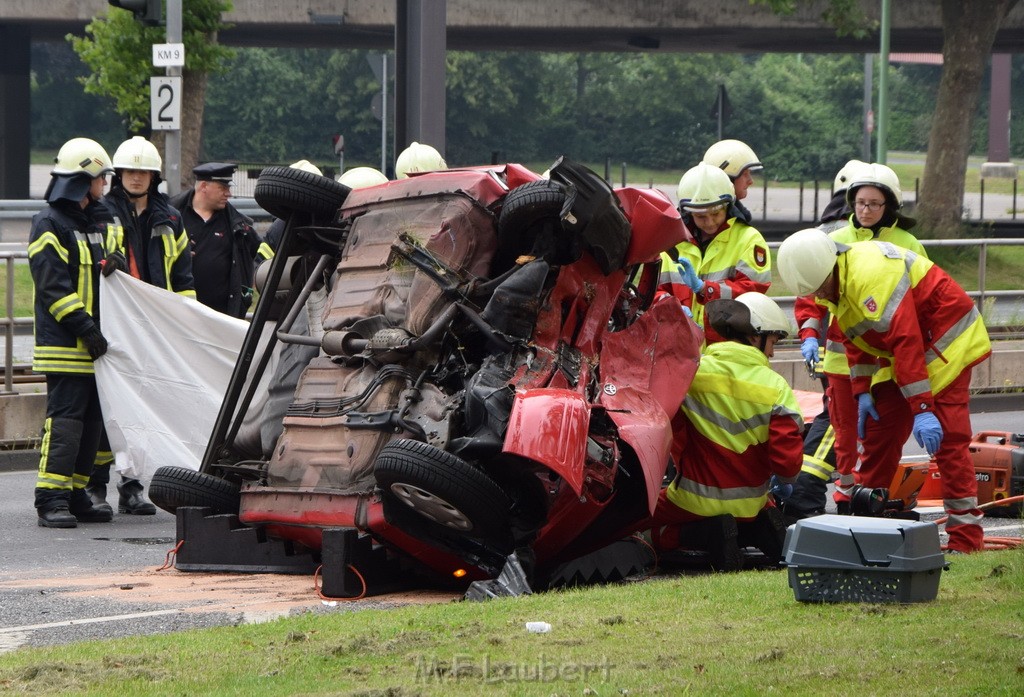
88,620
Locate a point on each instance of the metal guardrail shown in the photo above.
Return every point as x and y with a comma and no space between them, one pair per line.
9,322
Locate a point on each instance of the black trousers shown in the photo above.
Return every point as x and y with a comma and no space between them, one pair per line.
71,435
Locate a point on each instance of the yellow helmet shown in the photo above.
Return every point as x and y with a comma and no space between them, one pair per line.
704,186
82,156
418,158
732,156
847,174
306,166
362,177
805,260
881,177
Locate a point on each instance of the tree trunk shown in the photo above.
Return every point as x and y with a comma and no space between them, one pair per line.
192,103
969,28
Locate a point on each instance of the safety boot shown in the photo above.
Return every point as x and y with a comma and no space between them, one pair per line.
131,499
98,495
720,537
82,508
57,517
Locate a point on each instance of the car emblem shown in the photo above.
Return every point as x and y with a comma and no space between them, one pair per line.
610,389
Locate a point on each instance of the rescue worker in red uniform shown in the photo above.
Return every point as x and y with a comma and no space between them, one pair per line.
65,251
739,426
148,243
874,196
898,311
725,256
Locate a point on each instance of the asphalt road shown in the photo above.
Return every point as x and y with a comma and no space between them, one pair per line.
103,580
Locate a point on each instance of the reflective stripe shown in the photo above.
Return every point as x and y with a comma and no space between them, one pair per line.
817,468
811,323
881,325
962,518
964,504
79,481
916,388
751,273
941,344
264,251
703,500
188,293
48,238
731,426
62,307
863,370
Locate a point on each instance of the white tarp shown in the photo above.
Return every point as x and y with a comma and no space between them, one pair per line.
164,375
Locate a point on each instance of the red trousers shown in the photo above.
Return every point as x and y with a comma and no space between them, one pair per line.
842,413
882,449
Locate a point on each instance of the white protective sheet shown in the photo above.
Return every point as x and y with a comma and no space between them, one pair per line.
164,375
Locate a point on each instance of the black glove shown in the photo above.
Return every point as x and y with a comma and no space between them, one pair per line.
115,261
95,342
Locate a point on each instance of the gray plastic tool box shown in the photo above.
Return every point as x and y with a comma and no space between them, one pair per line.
838,559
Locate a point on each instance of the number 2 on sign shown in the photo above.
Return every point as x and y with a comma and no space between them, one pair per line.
165,103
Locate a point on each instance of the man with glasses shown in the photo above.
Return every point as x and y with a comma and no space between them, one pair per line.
225,246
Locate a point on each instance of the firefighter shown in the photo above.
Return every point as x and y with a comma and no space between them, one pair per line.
739,426
739,161
150,244
875,199
225,247
900,312
65,250
418,157
724,256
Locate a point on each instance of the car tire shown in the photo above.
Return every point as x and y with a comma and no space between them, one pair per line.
282,191
177,487
444,489
524,213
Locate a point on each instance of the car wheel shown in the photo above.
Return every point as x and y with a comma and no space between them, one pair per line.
177,487
282,191
444,489
529,223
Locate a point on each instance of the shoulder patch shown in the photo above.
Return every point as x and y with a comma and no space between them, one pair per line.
760,255
870,304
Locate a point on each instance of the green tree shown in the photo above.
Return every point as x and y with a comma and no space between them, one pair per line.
117,50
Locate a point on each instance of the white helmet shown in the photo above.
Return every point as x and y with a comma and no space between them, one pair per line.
362,177
704,186
766,317
137,153
805,260
732,156
418,158
307,166
847,174
82,156
879,176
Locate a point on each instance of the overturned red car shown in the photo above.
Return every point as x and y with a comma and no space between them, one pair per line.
453,376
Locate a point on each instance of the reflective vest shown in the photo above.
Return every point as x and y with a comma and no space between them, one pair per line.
899,310
736,261
811,315
740,423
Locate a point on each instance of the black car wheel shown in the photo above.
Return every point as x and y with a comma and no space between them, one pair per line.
176,487
282,191
529,223
444,489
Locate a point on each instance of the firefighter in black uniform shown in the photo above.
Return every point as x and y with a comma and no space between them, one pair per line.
225,246
149,243
65,251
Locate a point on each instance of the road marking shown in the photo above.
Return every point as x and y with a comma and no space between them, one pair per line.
87,620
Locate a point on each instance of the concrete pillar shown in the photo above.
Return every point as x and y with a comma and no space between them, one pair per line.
15,108
420,45
999,164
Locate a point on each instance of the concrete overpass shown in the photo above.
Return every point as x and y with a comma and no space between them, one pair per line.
564,25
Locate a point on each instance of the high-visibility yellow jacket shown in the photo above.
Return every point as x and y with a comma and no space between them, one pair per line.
810,315
735,261
739,424
899,310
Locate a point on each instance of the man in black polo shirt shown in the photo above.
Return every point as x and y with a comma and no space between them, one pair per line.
225,247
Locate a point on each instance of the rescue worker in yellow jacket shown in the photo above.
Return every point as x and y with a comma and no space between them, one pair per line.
724,256
739,426
65,251
898,311
875,199
739,161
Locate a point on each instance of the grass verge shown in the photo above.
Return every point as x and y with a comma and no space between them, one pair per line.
735,634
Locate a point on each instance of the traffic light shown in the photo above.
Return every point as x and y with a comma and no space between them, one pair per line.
149,12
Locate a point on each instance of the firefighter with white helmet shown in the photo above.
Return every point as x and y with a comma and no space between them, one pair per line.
874,199
418,157
150,244
740,428
739,161
362,177
912,336
66,248
723,257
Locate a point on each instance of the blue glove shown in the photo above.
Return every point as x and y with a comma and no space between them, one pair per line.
690,276
780,490
927,431
688,312
809,349
865,408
